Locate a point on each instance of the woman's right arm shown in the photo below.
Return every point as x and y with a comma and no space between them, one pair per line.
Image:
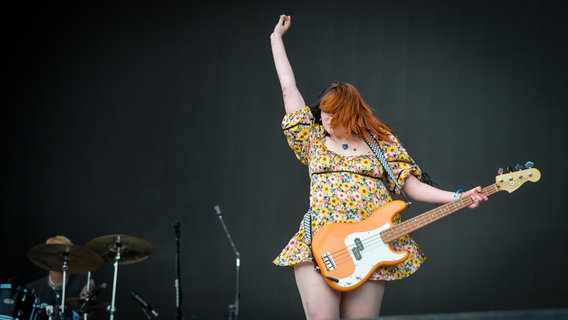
293,100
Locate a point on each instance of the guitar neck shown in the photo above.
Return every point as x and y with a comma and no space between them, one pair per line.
424,219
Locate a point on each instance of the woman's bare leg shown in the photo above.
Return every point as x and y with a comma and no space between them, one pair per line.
320,301
363,302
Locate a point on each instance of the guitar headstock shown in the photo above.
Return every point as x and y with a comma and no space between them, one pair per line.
513,180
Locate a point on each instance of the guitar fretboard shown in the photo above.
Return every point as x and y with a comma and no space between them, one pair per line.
407,226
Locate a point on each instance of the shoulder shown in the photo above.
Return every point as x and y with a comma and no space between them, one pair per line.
36,284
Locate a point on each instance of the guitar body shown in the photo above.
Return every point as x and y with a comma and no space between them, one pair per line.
348,253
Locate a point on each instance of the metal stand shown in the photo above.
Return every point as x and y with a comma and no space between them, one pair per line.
179,294
112,308
64,269
86,303
233,308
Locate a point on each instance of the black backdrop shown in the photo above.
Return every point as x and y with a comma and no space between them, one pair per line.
123,117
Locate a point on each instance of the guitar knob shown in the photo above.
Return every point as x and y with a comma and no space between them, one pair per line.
509,169
500,171
519,167
529,164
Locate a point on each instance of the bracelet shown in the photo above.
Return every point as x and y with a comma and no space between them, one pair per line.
457,194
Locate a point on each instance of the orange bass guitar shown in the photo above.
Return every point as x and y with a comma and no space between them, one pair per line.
348,253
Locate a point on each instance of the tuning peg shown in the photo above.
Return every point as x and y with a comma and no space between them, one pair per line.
519,167
529,164
500,171
509,169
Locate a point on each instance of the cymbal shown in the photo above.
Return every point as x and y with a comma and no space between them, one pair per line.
53,257
77,303
132,249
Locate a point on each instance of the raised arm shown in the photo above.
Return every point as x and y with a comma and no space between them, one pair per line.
293,99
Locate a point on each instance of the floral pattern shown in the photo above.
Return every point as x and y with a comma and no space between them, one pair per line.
346,189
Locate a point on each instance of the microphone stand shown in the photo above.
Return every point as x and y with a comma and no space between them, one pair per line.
179,314
233,308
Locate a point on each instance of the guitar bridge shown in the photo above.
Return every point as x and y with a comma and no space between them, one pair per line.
328,261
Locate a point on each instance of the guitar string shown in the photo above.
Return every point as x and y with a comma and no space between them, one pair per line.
422,219
369,240
372,241
461,203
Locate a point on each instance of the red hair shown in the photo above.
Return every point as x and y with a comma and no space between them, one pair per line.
349,110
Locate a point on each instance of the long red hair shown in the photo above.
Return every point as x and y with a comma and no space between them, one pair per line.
349,110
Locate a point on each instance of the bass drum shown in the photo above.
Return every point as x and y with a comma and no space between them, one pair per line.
16,302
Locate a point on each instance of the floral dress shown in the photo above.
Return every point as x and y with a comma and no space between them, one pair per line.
346,189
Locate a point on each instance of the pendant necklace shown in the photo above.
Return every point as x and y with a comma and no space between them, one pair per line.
345,146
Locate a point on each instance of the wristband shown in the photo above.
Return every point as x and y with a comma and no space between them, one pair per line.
457,194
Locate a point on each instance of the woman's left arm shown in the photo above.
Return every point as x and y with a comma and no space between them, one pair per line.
420,191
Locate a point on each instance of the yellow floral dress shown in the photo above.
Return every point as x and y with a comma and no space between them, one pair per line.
346,189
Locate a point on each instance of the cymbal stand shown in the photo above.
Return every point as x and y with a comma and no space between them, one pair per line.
116,260
64,269
86,303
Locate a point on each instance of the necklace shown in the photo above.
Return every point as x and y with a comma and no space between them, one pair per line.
51,282
345,146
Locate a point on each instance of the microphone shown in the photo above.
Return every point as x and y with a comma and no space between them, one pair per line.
176,226
217,209
144,304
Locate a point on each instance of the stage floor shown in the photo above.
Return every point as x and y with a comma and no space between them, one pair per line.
542,314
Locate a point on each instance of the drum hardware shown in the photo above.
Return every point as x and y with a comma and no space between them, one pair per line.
119,249
65,258
53,257
45,308
84,306
16,302
90,294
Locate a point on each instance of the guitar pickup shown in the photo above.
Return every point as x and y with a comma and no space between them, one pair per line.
357,254
358,248
328,261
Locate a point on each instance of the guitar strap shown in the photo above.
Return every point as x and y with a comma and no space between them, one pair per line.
383,160
308,235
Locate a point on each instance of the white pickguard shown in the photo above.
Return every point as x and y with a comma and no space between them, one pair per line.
375,252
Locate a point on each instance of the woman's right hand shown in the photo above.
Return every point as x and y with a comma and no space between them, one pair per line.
282,26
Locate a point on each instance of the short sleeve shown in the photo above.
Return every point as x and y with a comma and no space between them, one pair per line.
297,127
400,162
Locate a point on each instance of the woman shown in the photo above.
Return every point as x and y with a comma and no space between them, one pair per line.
346,185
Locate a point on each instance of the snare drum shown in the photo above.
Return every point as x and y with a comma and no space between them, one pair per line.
16,302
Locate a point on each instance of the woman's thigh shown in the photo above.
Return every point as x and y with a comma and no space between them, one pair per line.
363,302
319,300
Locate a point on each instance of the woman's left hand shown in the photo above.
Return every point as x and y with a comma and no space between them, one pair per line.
476,195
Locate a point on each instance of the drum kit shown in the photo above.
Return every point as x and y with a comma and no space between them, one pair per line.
17,302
